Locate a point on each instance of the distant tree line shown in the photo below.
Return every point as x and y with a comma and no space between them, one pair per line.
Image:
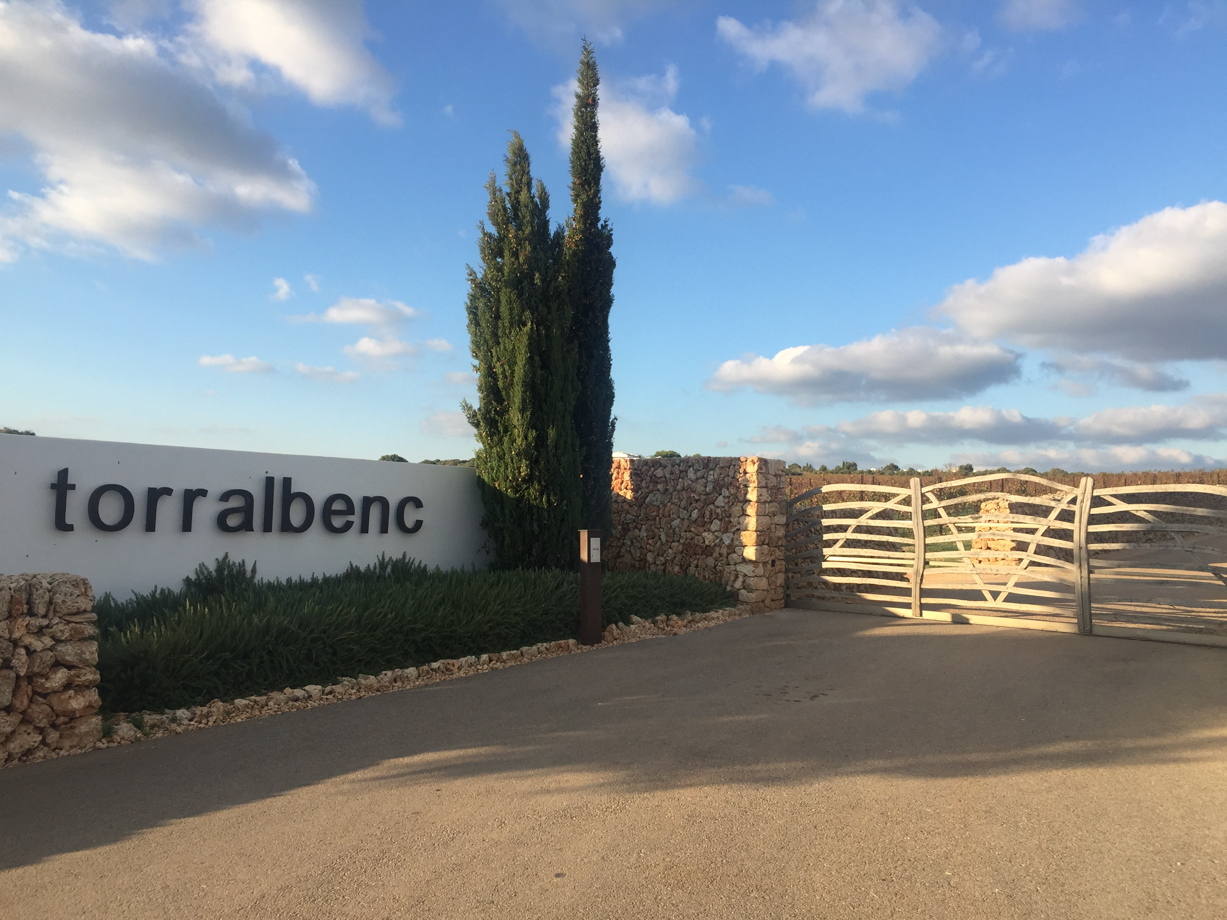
893,469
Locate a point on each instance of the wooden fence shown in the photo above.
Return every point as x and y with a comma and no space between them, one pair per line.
1011,549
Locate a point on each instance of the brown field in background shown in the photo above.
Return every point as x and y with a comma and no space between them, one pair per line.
807,481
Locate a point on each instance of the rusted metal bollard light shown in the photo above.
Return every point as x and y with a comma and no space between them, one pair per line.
590,587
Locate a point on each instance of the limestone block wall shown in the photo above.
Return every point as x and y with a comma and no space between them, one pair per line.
717,518
48,682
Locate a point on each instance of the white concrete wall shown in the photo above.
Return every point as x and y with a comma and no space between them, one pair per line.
134,559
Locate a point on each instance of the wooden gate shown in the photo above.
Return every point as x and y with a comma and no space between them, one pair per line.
1009,549
1158,562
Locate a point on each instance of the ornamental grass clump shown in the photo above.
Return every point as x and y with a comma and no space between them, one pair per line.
227,634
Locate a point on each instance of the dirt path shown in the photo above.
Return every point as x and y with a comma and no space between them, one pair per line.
798,764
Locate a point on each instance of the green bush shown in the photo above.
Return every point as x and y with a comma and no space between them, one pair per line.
226,634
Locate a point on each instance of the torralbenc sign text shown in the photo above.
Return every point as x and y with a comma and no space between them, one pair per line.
238,513
132,516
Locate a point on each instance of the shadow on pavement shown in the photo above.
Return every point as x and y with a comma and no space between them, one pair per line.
791,697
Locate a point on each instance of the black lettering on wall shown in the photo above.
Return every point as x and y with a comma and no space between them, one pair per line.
369,502
124,519
330,512
246,512
154,495
337,511
270,484
189,499
400,514
61,487
287,503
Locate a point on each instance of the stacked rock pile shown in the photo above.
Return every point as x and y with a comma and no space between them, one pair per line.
989,524
48,695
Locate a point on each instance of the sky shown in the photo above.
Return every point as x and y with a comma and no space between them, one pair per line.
944,232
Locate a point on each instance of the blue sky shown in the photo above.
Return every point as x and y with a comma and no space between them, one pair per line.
929,233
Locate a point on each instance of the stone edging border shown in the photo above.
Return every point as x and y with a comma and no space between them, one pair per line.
129,728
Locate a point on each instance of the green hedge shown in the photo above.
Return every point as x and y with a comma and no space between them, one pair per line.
227,634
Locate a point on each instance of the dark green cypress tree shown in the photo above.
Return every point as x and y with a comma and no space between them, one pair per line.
527,460
588,269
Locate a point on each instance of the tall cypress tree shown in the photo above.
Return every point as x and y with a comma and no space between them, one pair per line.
527,459
588,269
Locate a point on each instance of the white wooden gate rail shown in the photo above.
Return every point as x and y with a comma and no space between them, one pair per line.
1021,554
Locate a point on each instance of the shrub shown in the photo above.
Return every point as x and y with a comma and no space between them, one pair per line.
226,634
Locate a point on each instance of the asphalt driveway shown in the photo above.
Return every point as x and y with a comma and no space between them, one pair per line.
798,764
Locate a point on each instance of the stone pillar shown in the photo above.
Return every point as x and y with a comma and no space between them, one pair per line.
994,506
48,682
764,511
716,518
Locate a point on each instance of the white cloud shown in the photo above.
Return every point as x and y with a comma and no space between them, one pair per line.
1124,437
460,378
560,23
844,51
992,63
1151,291
775,434
327,374
818,446
130,15
282,290
649,149
913,363
1037,15
1125,457
1112,371
865,438
747,196
1201,418
316,46
1092,459
1195,15
313,282
378,351
451,424
362,311
133,152
252,365
381,349
970,423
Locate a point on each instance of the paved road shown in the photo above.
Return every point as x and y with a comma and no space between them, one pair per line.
792,765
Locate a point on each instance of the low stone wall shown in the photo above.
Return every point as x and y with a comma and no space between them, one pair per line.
48,695
717,518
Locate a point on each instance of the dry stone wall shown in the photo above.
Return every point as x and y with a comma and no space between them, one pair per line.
48,679
716,518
